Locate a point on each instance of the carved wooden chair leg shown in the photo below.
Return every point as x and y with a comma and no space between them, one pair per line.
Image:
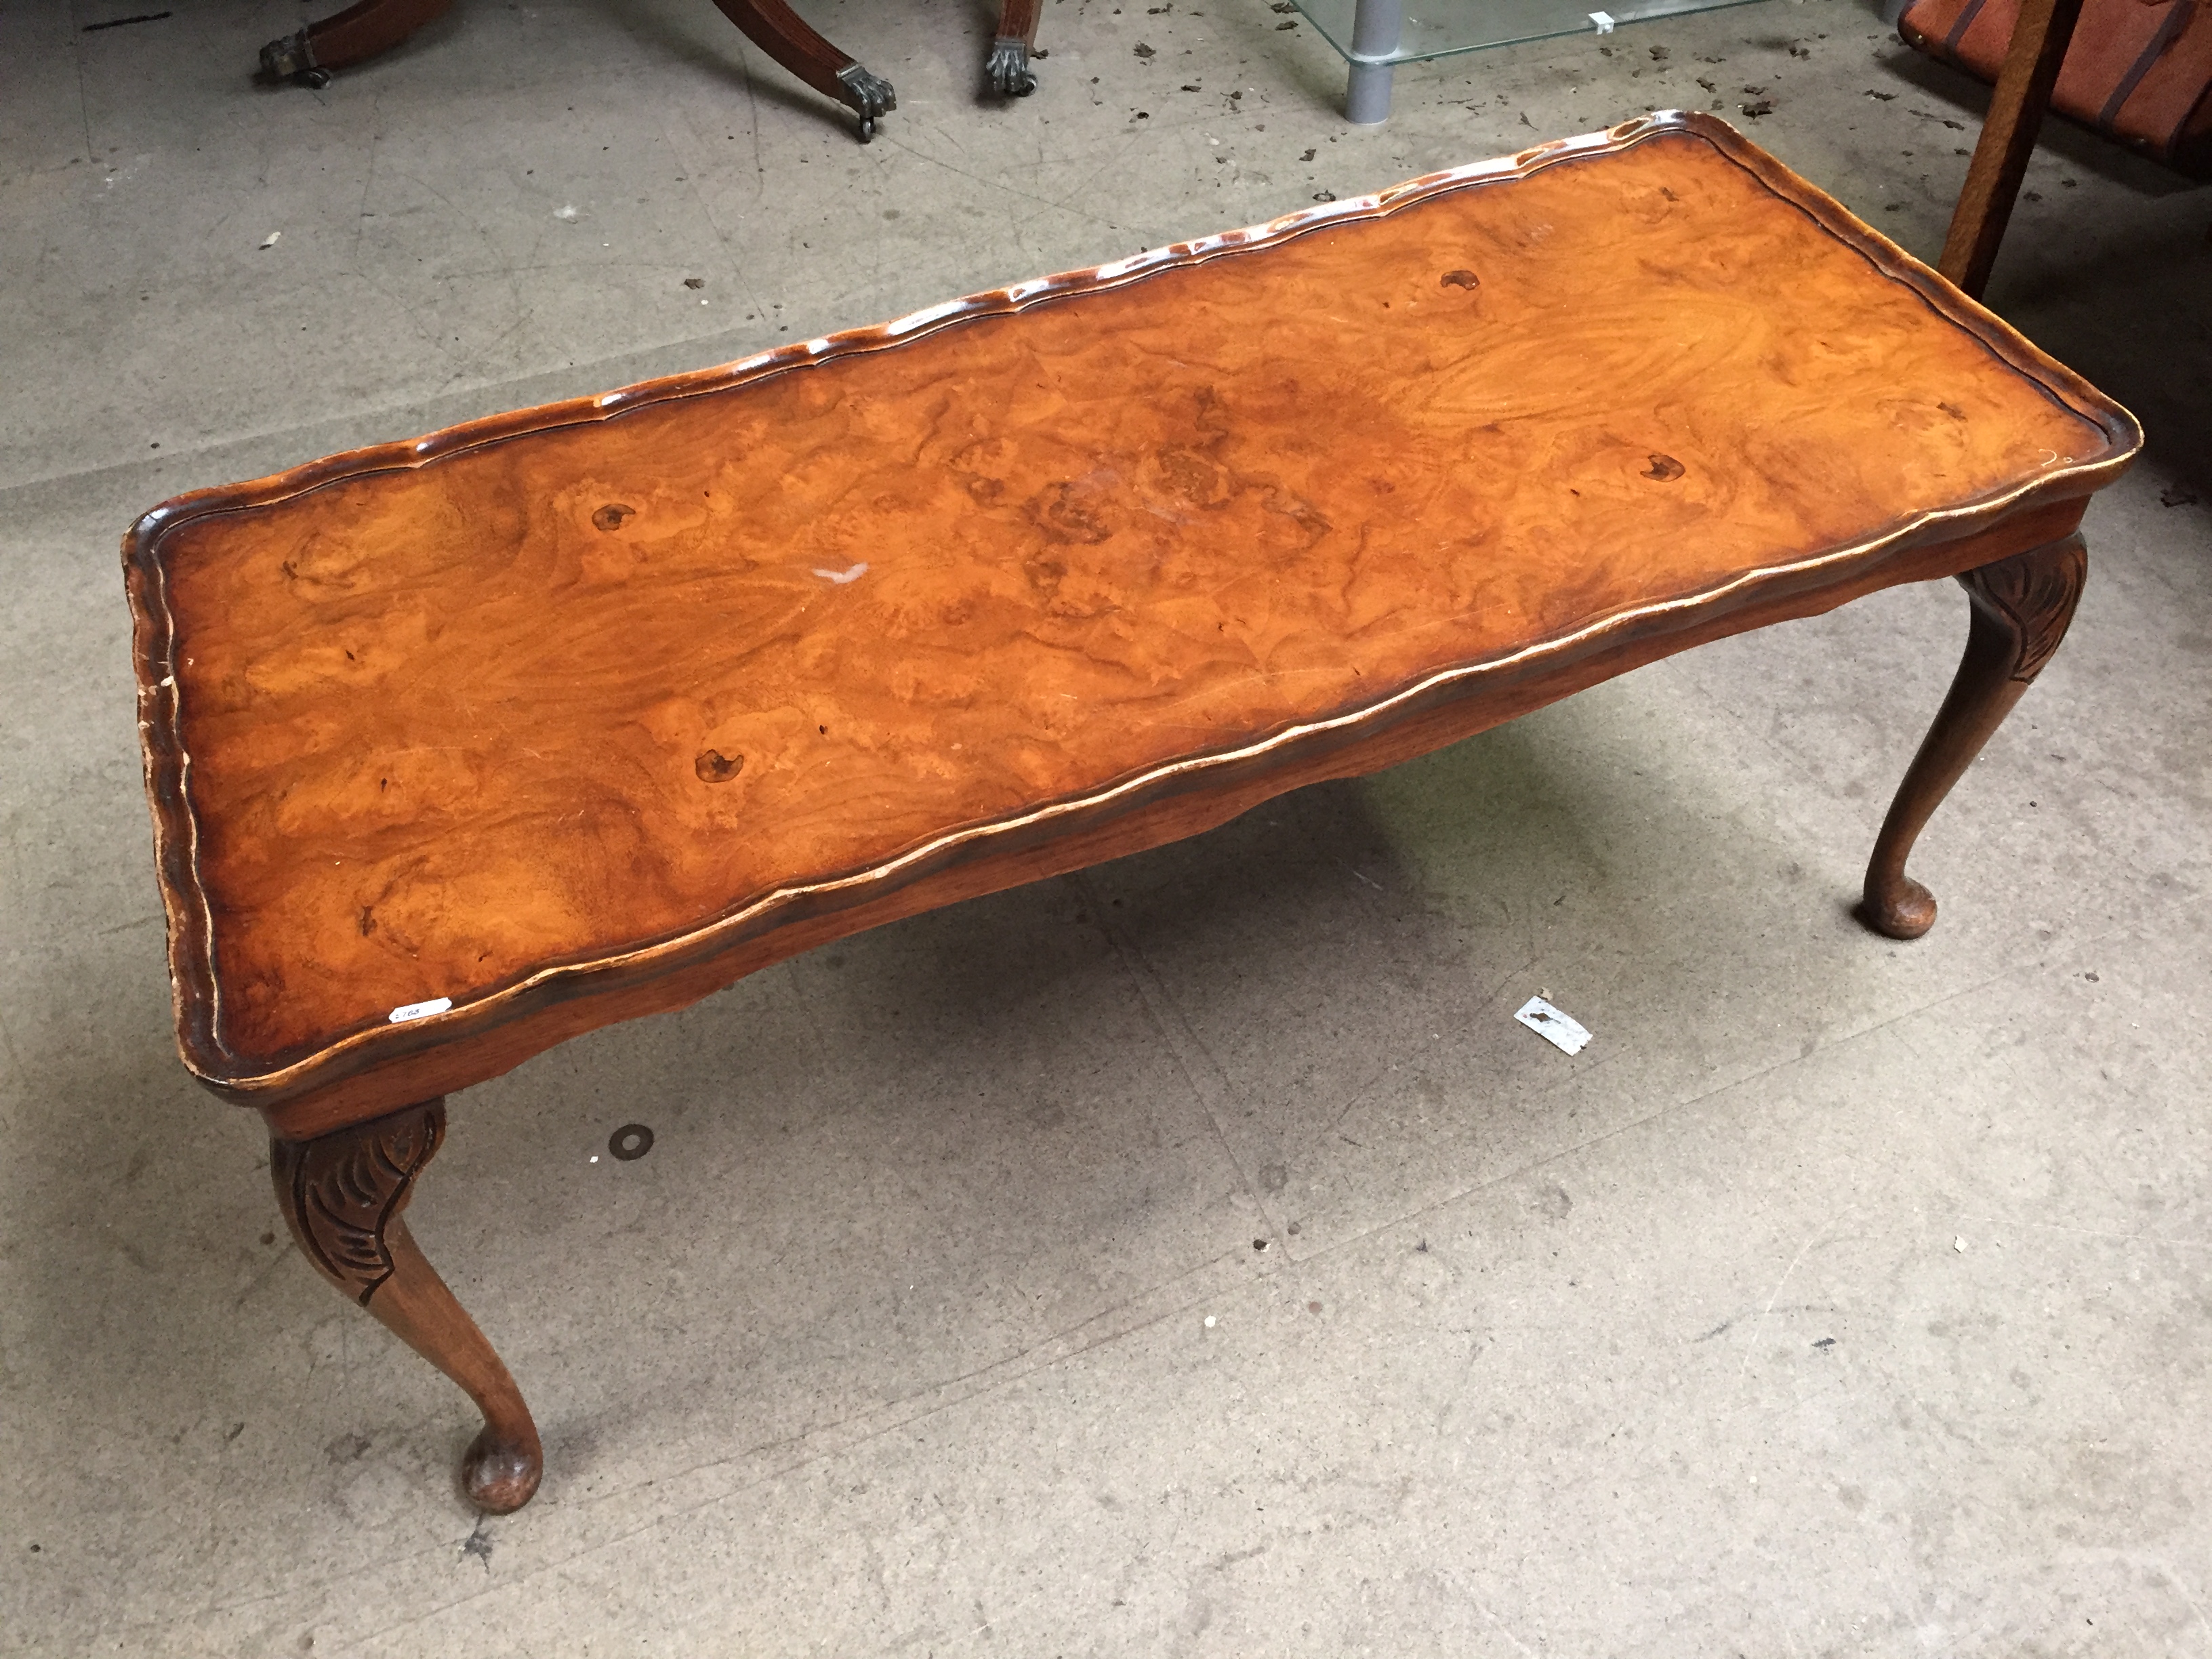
346,37
2021,609
1007,68
783,35
341,1194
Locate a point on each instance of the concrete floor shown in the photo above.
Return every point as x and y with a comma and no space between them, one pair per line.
1842,1297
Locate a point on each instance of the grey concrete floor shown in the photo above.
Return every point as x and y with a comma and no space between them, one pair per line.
1842,1297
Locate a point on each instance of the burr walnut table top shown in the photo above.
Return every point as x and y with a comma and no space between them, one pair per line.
570,715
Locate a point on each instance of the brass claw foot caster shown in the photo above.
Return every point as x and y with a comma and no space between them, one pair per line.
293,59
870,96
1007,68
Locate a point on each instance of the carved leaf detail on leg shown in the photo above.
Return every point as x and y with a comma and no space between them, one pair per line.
2035,594
340,1193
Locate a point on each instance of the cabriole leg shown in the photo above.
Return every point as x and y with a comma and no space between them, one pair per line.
342,1194
2021,609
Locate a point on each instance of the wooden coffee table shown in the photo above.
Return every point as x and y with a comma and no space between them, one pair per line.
461,747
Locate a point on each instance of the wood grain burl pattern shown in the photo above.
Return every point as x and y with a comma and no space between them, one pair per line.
552,698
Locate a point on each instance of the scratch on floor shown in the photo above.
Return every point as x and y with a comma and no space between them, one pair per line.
1816,1235
1497,1624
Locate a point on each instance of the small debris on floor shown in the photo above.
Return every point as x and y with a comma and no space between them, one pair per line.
1885,96
1960,1245
1209,1322
272,239
694,281
1142,49
2175,496
1757,107
1566,1035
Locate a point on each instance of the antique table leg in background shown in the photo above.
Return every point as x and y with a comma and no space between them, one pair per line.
2021,609
346,37
373,26
342,1193
1007,68
785,36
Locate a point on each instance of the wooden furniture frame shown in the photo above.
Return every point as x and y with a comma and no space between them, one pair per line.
369,27
2017,107
461,747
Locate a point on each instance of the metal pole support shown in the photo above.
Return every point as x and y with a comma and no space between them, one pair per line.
1376,25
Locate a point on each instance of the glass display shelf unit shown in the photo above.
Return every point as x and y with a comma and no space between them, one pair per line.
1376,36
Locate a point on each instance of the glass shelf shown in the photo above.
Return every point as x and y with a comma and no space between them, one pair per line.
1437,28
